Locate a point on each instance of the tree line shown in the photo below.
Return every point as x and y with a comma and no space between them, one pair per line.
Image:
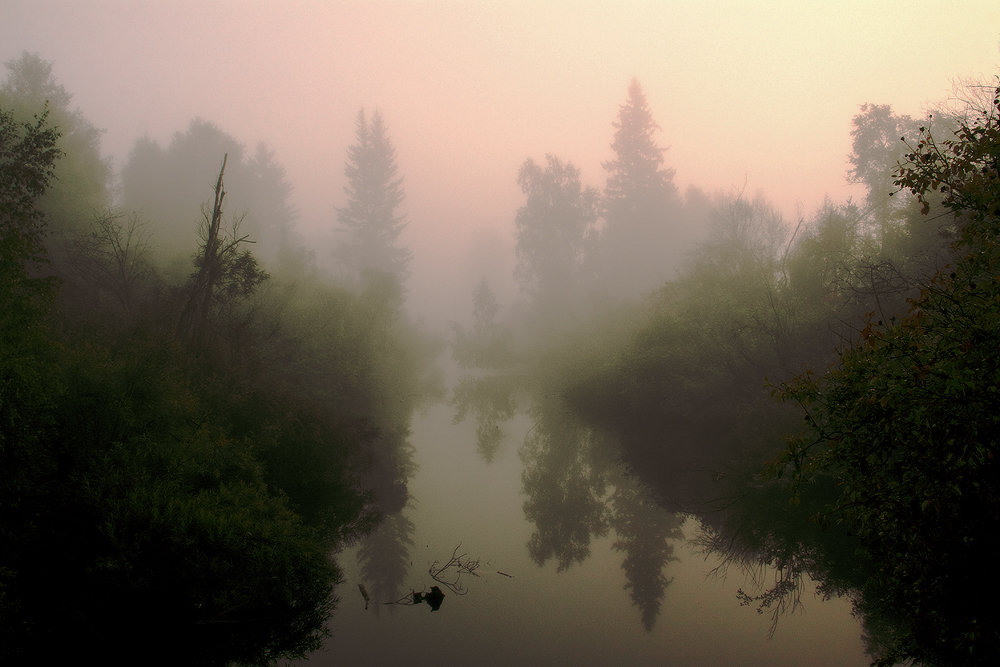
820,394
193,419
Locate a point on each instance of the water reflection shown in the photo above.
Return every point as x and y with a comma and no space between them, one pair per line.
641,597
384,559
581,513
565,484
647,535
490,401
575,488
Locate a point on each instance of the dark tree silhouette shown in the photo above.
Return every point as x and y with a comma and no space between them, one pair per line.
225,272
906,427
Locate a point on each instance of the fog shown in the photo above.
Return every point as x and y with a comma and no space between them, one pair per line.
318,311
754,97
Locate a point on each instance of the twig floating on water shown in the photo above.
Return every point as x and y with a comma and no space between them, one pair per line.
364,594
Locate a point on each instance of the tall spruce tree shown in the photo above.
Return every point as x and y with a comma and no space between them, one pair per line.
640,201
370,222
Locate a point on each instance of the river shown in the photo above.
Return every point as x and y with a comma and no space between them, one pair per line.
515,611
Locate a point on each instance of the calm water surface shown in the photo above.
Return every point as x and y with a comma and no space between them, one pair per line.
582,615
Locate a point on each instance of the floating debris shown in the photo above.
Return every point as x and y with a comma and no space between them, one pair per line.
364,594
433,599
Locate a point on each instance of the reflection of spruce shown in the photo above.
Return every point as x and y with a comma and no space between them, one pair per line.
646,534
384,556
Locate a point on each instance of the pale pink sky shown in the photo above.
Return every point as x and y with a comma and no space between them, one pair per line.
758,92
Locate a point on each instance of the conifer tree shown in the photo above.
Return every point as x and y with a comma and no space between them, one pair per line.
371,222
640,199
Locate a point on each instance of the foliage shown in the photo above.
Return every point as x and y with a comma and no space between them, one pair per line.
28,153
128,519
157,525
906,423
174,502
682,381
876,148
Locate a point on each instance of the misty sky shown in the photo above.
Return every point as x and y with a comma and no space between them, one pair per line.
760,92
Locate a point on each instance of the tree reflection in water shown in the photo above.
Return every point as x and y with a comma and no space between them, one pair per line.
646,534
490,400
384,557
565,483
575,488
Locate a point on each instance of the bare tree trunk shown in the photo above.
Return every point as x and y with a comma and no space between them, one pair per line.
195,314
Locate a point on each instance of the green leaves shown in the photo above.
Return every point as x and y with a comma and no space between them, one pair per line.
909,420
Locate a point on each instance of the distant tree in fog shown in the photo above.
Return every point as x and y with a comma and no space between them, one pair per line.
901,249
370,221
167,186
80,186
640,203
877,147
488,343
553,229
267,203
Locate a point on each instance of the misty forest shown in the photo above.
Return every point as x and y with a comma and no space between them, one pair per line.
206,420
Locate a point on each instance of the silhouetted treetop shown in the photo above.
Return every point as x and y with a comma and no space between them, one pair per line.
637,166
